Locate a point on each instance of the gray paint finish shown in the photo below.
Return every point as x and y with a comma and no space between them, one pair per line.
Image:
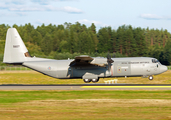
84,67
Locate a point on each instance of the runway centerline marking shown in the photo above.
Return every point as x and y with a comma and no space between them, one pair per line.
126,87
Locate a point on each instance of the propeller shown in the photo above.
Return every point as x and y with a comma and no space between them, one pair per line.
114,55
109,60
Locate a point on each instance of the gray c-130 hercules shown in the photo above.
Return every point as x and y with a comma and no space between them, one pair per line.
85,67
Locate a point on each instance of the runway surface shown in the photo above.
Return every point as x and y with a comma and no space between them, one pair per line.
87,87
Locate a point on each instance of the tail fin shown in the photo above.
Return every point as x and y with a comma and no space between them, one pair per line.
15,50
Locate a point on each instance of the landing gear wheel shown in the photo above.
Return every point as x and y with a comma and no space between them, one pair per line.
87,80
95,80
150,77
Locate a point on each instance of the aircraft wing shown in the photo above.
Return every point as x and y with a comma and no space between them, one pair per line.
87,60
81,60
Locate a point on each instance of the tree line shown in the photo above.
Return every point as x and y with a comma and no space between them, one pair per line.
69,40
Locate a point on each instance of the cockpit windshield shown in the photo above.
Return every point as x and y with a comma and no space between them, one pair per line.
155,61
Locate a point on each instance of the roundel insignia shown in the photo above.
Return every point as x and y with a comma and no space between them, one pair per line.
49,68
119,69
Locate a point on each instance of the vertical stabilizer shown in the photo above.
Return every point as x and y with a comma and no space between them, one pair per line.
15,50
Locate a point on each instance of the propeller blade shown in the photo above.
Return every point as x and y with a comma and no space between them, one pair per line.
114,55
109,58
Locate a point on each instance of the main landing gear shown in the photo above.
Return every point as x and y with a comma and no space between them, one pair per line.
150,77
91,80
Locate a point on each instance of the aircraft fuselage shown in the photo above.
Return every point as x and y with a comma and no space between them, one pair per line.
121,67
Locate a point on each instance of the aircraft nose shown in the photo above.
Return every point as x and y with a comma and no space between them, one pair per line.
163,69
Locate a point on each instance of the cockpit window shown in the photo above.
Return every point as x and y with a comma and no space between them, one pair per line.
155,61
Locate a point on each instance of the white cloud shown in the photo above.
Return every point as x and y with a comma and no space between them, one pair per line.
154,17
151,16
89,22
67,9
21,13
25,8
7,14
38,7
31,5
13,1
71,9
168,17
45,2
42,2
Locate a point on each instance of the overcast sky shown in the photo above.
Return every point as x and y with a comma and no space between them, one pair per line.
114,13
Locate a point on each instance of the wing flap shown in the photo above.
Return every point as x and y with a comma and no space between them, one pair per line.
87,60
81,60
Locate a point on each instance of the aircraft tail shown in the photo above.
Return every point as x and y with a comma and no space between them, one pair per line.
15,50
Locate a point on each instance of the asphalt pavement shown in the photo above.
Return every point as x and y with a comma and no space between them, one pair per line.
87,87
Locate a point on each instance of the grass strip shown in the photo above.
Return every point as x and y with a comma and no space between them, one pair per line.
23,96
85,105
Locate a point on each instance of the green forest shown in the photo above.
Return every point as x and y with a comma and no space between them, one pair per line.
70,40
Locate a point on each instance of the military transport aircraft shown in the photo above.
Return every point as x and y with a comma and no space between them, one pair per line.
85,67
